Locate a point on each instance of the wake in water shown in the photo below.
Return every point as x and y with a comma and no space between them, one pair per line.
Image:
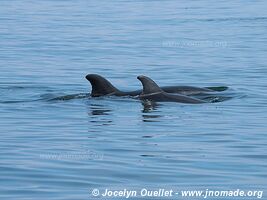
70,97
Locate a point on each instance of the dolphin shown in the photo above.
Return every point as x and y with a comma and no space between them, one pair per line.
101,87
152,92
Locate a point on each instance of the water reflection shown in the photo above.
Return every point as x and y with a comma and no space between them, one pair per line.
100,111
99,115
149,106
149,109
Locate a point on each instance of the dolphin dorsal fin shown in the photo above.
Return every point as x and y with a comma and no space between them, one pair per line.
100,85
149,86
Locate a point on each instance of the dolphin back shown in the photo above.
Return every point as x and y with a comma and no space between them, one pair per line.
149,86
101,86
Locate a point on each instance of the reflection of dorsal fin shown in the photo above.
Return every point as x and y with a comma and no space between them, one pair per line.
149,86
100,85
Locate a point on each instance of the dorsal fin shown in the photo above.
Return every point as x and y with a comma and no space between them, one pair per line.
149,86
100,85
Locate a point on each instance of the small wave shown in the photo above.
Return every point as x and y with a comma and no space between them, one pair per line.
232,19
22,85
18,101
69,97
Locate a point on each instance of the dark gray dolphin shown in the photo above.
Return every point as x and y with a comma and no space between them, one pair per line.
101,87
152,92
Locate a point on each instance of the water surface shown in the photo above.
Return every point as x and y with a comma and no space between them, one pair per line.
63,149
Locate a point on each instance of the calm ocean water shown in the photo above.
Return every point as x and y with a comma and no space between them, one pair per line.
62,149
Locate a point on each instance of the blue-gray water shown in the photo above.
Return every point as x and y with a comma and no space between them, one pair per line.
63,149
